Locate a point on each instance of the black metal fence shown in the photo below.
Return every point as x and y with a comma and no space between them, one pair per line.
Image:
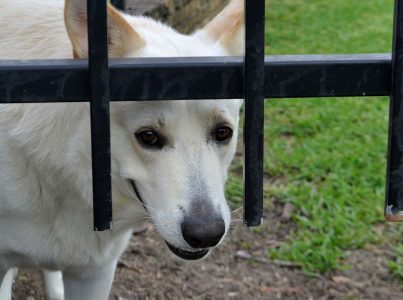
254,78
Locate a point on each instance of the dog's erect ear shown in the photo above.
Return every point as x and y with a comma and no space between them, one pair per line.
122,38
228,28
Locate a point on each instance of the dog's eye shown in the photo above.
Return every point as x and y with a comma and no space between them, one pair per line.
223,133
150,138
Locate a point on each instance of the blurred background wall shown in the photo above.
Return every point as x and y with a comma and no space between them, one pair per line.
184,15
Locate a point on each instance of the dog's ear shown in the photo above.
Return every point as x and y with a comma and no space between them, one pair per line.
122,38
228,28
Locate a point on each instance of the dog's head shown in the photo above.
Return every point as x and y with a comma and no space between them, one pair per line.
170,158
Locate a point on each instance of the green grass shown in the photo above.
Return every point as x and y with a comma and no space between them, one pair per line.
329,155
320,26
395,261
396,265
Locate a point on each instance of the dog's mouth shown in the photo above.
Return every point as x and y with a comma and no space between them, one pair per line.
188,255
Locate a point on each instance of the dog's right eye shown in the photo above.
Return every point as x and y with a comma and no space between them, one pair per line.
150,138
223,134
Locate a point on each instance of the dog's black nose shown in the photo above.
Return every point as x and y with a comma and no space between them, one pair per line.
204,233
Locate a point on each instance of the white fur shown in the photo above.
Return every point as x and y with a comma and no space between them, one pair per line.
45,160
53,285
7,283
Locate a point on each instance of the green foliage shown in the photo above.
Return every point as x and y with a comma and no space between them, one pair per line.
332,153
320,26
234,191
328,153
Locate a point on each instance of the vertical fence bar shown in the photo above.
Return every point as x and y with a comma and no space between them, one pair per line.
100,126
119,4
254,113
394,185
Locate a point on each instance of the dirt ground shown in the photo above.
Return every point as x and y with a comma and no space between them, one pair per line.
238,269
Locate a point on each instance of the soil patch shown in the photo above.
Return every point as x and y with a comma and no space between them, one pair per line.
238,269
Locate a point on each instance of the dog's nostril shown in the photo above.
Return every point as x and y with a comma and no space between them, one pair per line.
203,234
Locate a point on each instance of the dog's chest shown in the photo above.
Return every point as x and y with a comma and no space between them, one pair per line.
58,249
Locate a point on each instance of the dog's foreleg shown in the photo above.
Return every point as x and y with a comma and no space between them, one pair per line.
53,282
89,284
7,280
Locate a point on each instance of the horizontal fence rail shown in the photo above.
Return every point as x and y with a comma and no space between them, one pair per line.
286,76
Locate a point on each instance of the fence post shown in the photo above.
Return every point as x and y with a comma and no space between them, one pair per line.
254,111
100,123
394,184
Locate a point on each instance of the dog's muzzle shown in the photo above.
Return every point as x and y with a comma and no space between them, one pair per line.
201,232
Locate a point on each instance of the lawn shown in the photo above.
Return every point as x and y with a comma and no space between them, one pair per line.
327,157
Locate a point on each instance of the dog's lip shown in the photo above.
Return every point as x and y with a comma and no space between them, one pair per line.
188,255
136,191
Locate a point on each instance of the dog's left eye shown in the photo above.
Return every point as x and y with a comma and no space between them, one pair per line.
150,138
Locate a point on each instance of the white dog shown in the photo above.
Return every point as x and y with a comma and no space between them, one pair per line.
169,159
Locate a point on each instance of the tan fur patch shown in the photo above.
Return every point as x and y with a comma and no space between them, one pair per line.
228,22
75,55
122,38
